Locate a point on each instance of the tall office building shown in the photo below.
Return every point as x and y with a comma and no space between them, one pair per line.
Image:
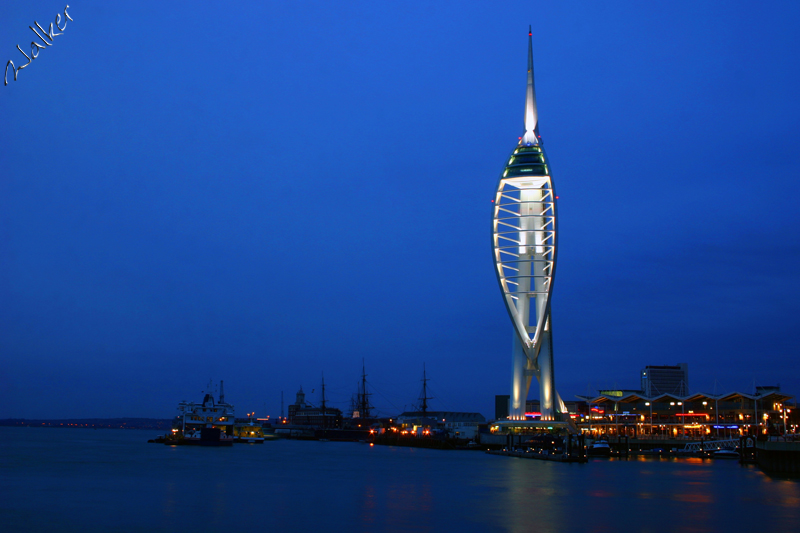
524,248
666,380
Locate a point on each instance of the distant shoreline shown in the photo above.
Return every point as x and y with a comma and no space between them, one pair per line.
92,423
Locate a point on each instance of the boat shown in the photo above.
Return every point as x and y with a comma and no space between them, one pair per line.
203,424
207,436
726,453
599,448
248,430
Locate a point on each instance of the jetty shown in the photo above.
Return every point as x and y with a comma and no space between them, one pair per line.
542,456
775,455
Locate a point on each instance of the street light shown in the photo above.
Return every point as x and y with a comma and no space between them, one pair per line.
755,411
671,404
683,420
705,404
651,418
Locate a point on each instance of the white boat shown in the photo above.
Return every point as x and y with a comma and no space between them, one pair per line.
205,424
599,449
726,453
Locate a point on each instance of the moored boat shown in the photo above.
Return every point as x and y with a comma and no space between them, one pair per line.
247,430
599,448
726,453
206,424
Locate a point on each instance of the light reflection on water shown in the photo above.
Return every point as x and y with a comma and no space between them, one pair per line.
84,480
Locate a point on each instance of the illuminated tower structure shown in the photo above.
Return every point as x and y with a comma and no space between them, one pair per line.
524,245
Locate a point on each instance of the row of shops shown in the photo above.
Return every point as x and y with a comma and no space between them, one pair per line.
697,416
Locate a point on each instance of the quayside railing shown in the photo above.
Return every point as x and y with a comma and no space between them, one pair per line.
711,445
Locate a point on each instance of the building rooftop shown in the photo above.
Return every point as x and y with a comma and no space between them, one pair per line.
638,396
451,416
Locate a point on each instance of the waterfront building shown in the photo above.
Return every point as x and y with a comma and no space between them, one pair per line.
302,413
524,242
328,418
458,425
501,406
665,380
299,403
618,392
575,409
423,421
695,416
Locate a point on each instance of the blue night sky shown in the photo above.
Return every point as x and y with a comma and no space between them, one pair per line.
266,191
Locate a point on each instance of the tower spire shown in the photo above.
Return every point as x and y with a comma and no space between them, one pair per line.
531,116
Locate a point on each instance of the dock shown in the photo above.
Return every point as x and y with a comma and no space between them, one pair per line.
777,457
559,458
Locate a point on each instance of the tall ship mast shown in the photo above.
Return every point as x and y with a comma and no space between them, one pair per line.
423,399
364,407
322,405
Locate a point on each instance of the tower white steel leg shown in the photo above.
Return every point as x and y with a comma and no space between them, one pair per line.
520,381
546,382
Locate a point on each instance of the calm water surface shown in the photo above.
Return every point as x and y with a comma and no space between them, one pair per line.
113,480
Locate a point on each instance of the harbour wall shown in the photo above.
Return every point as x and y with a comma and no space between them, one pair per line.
779,457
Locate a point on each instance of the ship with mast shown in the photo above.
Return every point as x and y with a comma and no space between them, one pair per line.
425,428
324,422
210,423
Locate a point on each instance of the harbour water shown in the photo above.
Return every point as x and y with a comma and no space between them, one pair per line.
86,480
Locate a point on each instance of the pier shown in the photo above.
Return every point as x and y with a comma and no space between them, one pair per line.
777,457
542,456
